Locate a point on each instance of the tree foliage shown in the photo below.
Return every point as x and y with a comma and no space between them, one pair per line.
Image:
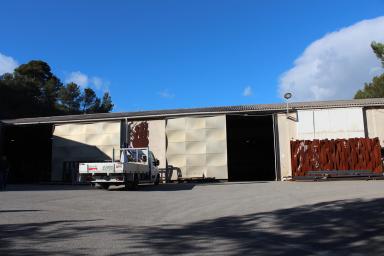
33,90
70,98
106,104
375,88
378,49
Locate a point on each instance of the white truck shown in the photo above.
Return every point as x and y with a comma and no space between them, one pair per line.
136,166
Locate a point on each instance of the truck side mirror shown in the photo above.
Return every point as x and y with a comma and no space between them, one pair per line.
156,162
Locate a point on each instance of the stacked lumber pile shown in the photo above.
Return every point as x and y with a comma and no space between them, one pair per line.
339,154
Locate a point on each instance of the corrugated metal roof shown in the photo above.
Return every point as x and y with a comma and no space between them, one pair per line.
267,108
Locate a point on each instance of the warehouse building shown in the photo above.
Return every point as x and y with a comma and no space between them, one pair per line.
235,143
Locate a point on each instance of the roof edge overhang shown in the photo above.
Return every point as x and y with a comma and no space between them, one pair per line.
172,113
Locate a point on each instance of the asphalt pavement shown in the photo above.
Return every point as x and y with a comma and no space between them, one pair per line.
228,218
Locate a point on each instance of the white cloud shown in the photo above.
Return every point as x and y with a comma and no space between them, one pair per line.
247,91
7,64
78,78
166,94
84,80
336,65
97,82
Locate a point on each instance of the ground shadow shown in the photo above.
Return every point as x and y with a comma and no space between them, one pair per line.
228,183
51,187
7,211
331,228
160,187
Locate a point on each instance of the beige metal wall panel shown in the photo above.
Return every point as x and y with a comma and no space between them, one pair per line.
215,159
176,124
216,134
287,131
83,142
176,148
195,160
198,146
330,123
195,123
375,124
176,136
105,126
217,147
177,160
196,171
157,140
66,130
194,135
195,147
216,171
106,139
216,122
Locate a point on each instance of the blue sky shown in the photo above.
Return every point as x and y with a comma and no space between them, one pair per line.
174,54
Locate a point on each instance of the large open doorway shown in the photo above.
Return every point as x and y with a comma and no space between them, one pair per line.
29,151
251,150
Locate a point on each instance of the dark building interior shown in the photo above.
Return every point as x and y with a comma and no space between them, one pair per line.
250,145
28,150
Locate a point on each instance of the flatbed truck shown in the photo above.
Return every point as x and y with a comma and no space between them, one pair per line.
136,166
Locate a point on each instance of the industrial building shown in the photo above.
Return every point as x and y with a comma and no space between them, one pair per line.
235,143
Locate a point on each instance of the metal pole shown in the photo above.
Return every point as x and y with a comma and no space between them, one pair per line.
314,124
126,134
274,145
287,108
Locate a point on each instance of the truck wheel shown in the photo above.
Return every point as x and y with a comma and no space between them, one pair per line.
157,180
135,183
104,186
132,185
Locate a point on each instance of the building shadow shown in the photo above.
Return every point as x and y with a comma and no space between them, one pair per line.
160,187
46,187
349,227
229,183
8,211
35,155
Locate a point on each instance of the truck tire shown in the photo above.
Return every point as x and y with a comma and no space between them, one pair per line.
104,186
135,183
132,185
157,180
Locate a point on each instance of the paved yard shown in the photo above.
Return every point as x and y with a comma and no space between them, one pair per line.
266,218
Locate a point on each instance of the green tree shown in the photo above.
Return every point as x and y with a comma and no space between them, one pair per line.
18,98
90,103
33,90
38,73
378,49
70,99
106,104
375,88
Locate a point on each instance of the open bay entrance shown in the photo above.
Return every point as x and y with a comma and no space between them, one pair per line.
251,150
28,149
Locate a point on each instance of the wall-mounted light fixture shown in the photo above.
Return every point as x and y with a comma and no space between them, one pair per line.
287,96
